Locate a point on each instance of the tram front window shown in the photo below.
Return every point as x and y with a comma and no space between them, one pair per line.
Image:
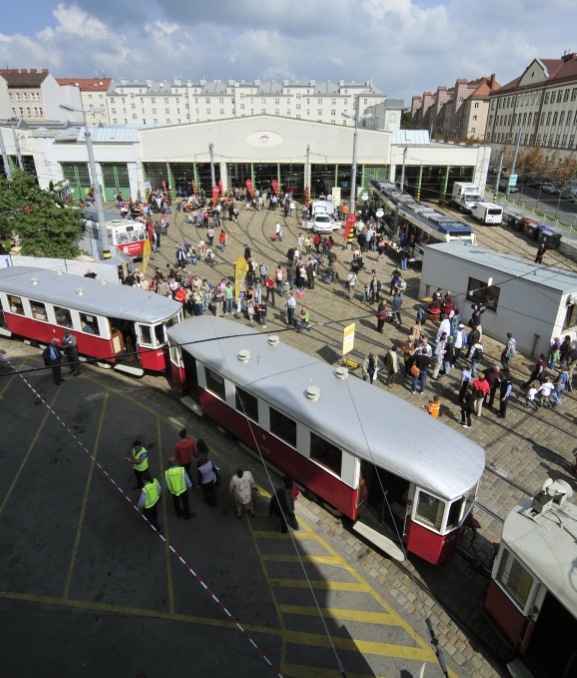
160,336
515,579
430,510
145,335
455,511
63,317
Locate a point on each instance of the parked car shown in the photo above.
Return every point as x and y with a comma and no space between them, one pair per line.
550,188
503,186
569,192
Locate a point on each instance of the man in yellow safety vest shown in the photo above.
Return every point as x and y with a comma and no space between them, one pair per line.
177,482
139,461
149,498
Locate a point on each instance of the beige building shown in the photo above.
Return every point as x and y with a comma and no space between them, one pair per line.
93,94
457,113
179,102
541,104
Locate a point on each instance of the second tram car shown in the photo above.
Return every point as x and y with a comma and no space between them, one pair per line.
109,324
532,595
338,436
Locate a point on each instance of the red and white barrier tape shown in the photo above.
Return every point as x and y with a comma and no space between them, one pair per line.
135,507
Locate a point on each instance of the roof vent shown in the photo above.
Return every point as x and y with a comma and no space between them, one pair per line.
244,356
79,291
274,340
34,281
103,281
313,392
341,373
59,271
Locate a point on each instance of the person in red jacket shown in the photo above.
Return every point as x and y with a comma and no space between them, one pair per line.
481,388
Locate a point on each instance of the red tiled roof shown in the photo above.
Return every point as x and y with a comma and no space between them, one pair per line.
23,78
558,69
87,84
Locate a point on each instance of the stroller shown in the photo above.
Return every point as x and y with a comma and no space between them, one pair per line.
210,257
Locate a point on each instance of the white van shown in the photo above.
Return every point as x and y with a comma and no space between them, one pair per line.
321,207
569,192
488,213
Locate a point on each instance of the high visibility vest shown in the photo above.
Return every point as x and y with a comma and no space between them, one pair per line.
143,466
151,493
434,408
175,480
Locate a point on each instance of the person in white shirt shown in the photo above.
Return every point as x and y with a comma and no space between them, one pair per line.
425,345
351,281
444,328
459,343
545,392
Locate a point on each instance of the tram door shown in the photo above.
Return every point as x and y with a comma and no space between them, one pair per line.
190,370
373,480
555,628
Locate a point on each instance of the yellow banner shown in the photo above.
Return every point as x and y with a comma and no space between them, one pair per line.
240,269
145,254
348,338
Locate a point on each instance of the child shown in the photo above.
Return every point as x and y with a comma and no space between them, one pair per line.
433,407
531,397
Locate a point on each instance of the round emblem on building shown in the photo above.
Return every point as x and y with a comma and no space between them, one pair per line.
264,139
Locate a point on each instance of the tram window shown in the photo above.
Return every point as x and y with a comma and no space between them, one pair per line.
214,383
15,304
455,513
515,578
159,332
63,317
247,404
283,427
145,332
326,453
38,310
89,323
430,509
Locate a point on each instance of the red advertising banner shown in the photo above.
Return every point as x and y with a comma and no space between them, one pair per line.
274,184
215,194
249,187
307,196
221,187
164,186
193,187
349,224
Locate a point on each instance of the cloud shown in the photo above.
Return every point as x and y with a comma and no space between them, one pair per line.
406,46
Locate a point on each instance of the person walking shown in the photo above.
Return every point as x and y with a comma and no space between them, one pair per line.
282,506
409,348
185,451
439,356
71,348
240,487
494,378
464,383
381,315
467,407
505,390
149,498
53,359
207,479
291,304
531,396
481,389
540,253
351,283
476,318
545,392
375,289
396,304
392,365
559,386
539,371
270,289
449,356
304,320
370,367
139,461
421,363
508,352
476,357
177,482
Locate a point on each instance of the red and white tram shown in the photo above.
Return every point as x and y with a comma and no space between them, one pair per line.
532,596
336,435
109,321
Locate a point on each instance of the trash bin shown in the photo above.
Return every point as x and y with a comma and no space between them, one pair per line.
531,229
515,221
551,239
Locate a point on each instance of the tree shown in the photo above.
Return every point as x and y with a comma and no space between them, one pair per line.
47,226
406,119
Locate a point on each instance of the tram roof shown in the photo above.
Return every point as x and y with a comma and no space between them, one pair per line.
366,420
115,301
547,549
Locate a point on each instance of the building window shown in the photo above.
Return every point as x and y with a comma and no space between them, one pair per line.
247,404
298,107
559,96
566,96
263,110
17,96
571,140
298,117
308,112
457,124
214,383
555,115
167,111
154,122
333,112
277,111
561,118
208,111
288,101
474,118
478,293
365,101
472,130
288,111
320,102
28,111
221,100
242,107
134,116
276,102
263,101
326,454
548,118
298,96
242,95
221,111
546,98
514,578
207,101
476,105
333,102
153,111
557,139
25,96
319,112
564,142
252,102
283,427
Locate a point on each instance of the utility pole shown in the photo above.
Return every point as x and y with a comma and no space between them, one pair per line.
212,174
18,154
308,169
514,162
403,170
353,200
7,169
499,175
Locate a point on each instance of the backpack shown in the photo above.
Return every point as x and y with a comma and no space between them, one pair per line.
477,354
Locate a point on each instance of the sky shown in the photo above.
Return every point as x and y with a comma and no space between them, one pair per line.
405,46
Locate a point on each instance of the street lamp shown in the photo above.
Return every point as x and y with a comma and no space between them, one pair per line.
353,199
97,196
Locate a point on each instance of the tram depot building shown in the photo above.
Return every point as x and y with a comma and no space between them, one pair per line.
535,303
259,148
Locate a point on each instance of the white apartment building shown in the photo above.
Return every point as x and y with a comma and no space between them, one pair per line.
179,102
93,94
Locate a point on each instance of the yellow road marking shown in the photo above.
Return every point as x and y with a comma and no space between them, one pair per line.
85,500
345,615
265,534
27,455
165,519
11,379
318,584
323,560
298,671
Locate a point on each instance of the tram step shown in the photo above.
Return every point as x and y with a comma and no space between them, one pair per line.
384,543
187,401
128,369
5,333
518,670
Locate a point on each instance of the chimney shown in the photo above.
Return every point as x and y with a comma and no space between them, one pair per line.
23,70
568,57
33,70
44,70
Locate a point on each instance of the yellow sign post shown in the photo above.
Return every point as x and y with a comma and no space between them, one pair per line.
349,344
240,270
145,254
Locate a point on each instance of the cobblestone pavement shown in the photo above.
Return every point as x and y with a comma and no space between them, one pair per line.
521,451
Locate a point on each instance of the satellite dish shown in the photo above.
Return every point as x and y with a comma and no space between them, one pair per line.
546,484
